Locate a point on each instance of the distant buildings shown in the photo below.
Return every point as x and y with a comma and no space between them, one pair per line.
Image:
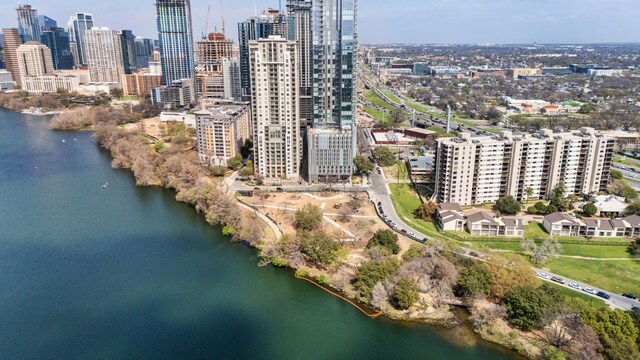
300,29
518,72
103,55
28,25
140,83
209,57
175,33
274,94
34,59
77,25
11,42
231,78
128,44
222,131
6,80
482,169
179,94
57,39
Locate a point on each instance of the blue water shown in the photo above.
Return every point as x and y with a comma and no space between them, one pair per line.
129,273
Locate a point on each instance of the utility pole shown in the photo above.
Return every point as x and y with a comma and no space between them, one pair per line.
448,119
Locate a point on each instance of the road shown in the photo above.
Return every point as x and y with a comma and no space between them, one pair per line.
381,193
617,301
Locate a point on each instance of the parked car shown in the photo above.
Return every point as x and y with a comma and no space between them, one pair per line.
558,279
403,231
411,234
630,296
542,275
575,286
603,295
379,203
589,290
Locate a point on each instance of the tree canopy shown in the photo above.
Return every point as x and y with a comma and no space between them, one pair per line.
384,156
308,218
531,308
362,164
386,239
405,294
370,273
507,205
319,247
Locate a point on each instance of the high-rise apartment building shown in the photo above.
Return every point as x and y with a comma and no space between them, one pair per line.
222,131
34,59
57,39
11,42
176,39
270,22
482,169
28,25
209,56
275,115
103,54
77,26
144,49
140,83
299,28
128,43
231,78
332,141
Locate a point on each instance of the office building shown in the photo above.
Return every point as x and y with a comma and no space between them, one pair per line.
144,49
299,29
46,22
516,73
50,83
155,66
103,54
221,132
34,59
179,94
128,43
482,169
140,83
421,68
231,78
442,70
332,141
270,22
57,39
77,26
275,115
11,42
6,80
176,39
28,23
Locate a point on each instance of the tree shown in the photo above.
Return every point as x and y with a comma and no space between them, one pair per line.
632,209
247,170
628,192
370,273
235,162
308,218
589,209
245,150
615,174
405,294
507,205
530,308
396,117
426,210
386,239
319,247
116,92
528,191
494,114
384,156
557,195
362,164
218,170
475,281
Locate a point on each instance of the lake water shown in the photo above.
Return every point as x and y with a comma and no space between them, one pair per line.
129,273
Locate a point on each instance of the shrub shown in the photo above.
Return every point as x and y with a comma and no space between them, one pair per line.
370,273
405,294
386,239
531,308
308,218
589,209
507,205
319,247
302,272
475,281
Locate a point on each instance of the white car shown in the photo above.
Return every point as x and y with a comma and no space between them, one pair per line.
542,275
575,286
589,290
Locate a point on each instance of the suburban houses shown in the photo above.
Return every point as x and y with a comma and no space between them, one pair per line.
564,225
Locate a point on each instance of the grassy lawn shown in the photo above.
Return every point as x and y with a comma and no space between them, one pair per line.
391,96
619,160
578,294
375,113
534,230
596,251
405,201
441,132
614,276
398,171
376,100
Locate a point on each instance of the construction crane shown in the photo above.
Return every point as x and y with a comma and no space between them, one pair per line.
222,16
206,24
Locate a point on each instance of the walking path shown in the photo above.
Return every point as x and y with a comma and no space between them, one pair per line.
570,256
276,229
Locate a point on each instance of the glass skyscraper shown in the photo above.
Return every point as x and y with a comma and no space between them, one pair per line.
28,23
176,39
57,39
77,26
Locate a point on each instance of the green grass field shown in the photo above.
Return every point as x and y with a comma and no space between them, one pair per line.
405,201
613,276
375,113
391,96
441,132
376,100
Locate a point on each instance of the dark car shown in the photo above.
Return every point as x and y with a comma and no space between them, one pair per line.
379,203
558,279
403,231
279,189
630,296
603,295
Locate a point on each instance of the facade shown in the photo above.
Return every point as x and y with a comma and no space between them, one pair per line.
517,72
482,169
103,54
270,22
210,52
128,43
483,224
179,94
275,114
175,33
332,142
560,224
209,85
34,59
449,217
140,83
299,28
222,131
77,26
144,49
28,24
6,80
50,83
11,42
231,78
46,22
57,39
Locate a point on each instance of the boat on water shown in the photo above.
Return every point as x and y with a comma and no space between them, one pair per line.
105,185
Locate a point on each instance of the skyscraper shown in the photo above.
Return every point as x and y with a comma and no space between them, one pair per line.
57,39
34,59
299,29
270,22
77,26
103,52
275,115
332,141
28,23
11,42
231,78
128,43
176,39
144,49
46,22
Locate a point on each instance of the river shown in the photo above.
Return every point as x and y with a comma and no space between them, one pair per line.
129,273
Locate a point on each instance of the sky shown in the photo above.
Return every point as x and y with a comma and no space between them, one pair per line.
397,21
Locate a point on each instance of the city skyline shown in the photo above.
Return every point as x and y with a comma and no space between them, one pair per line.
457,21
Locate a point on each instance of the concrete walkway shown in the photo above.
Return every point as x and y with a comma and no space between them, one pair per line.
276,229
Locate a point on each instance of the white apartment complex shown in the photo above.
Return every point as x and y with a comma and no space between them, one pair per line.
221,131
103,54
275,108
482,169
